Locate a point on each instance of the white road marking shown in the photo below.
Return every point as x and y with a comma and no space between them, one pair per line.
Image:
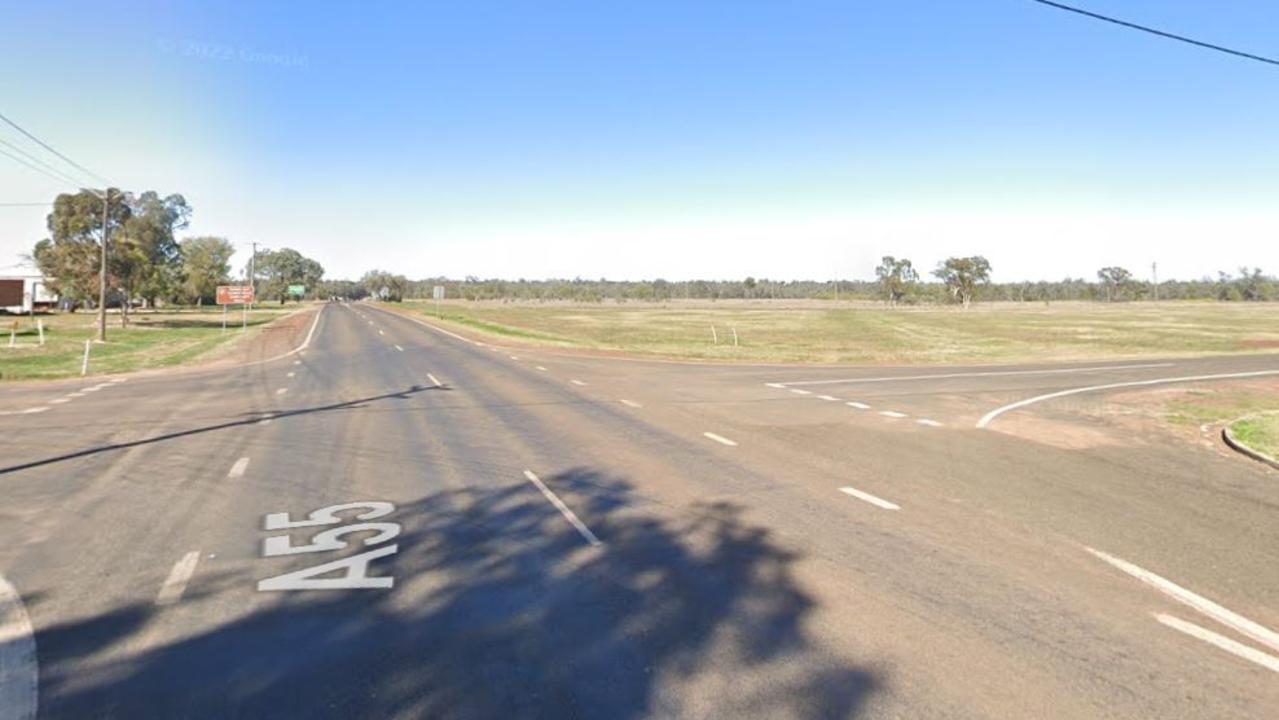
281,391
118,380
265,421
779,386
513,357
858,405
800,392
892,414
876,501
174,585
985,420
75,394
291,374
433,379
828,398
59,401
237,470
1265,660
19,667
630,403
381,332
95,388
584,531
577,382
539,367
297,362
34,410
720,439
929,423
993,373
397,347
1239,623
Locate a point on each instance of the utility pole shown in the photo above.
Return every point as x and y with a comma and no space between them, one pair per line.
253,273
102,269
1154,276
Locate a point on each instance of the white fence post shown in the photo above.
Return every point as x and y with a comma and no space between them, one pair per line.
40,329
714,335
734,337
84,364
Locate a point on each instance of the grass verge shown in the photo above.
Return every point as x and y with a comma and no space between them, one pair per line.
1259,433
153,339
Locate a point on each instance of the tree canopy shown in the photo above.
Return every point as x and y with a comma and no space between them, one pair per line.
962,276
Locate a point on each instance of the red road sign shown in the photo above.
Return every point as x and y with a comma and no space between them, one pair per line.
235,294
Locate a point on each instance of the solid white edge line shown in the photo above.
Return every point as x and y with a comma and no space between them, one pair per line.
237,470
1234,647
59,401
174,585
568,514
433,379
19,664
1230,619
867,497
720,439
985,420
992,373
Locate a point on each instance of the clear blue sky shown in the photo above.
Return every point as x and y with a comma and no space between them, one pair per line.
680,139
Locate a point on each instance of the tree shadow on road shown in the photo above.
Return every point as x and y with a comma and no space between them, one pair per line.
499,610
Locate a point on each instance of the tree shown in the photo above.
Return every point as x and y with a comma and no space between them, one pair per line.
285,267
1114,280
895,277
70,256
386,286
146,256
205,265
962,276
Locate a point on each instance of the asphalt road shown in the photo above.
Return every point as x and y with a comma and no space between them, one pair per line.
399,522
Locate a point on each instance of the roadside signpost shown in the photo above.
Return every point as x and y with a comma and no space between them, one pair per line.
297,290
235,295
437,292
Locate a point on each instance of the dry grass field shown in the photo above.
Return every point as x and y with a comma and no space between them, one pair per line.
823,332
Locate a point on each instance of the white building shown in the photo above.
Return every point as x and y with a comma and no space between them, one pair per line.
21,285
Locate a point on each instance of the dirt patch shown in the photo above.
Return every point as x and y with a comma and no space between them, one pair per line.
1258,344
279,337
1068,435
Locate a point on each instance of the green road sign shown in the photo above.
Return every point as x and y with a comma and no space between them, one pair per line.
298,290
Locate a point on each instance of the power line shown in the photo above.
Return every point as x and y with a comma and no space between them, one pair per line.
36,160
1160,33
63,179
46,146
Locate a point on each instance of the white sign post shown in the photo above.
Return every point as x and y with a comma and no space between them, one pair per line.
438,293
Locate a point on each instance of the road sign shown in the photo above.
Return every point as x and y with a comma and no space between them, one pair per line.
297,290
438,292
235,294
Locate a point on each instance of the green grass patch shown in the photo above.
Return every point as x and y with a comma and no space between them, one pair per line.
153,339
817,331
1260,433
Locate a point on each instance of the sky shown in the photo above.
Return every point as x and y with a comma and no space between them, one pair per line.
787,140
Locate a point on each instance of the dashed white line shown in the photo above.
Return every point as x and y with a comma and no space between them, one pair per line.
59,401
380,332
265,421
237,470
867,497
630,403
397,347
539,367
568,514
797,391
779,386
828,398
19,667
174,585
95,388
1234,647
513,357
892,414
720,439
291,373
1239,623
858,405
297,362
927,422
34,410
281,391
434,381
577,382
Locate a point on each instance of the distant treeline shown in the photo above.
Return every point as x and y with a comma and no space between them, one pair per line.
1113,285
